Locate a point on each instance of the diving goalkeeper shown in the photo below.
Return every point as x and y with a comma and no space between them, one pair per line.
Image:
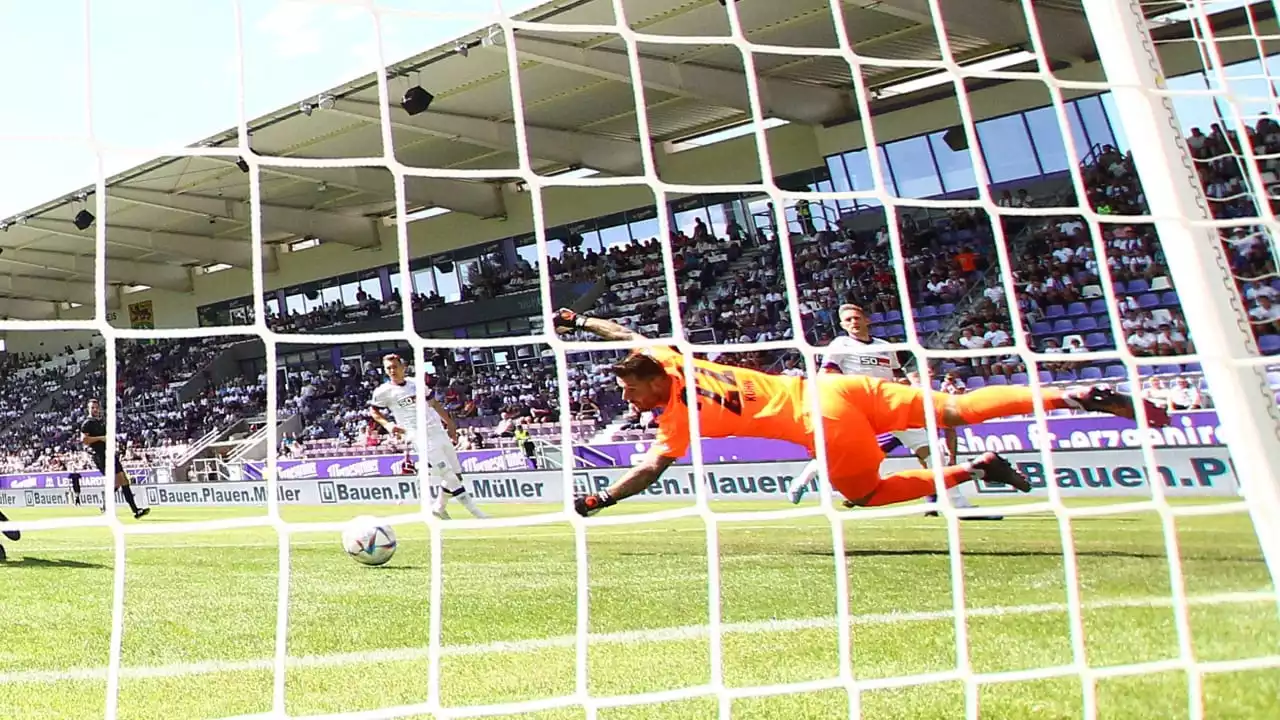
733,401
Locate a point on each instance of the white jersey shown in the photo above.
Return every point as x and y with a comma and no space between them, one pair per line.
855,357
401,401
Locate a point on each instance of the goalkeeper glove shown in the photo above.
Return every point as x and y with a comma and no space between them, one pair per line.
591,504
566,320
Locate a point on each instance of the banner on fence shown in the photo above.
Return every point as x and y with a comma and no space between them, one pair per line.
1097,473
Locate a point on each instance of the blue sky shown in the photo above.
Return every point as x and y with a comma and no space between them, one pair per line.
164,72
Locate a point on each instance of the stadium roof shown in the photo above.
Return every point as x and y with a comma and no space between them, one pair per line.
170,216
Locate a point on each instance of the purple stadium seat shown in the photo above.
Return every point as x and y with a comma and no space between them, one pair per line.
1269,344
1168,369
1148,301
997,380
927,311
1091,373
1054,311
1076,309
892,316
1018,379
1169,298
946,309
1064,326
1098,307
929,326
1137,286
1273,378
1116,371
1065,376
1041,328
1146,370
1046,376
1193,367
877,318
975,382
1086,324
1096,340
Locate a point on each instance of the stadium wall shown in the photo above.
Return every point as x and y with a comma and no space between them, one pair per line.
1077,473
47,341
792,148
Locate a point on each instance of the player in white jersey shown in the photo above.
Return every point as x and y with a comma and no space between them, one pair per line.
858,353
399,397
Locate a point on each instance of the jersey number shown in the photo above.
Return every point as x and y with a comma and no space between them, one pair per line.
730,399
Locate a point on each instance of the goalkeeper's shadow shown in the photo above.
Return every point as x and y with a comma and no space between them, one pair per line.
35,563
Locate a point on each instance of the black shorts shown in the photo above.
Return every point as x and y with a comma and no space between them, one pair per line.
100,462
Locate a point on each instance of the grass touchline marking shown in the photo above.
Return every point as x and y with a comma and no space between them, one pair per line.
631,637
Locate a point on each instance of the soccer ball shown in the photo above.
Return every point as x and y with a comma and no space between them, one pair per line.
368,541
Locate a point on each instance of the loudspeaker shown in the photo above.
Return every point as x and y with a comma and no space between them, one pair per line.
83,220
956,139
416,100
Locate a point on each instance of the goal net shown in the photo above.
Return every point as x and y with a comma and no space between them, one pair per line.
1055,196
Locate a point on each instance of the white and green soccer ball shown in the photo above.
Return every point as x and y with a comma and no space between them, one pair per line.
369,541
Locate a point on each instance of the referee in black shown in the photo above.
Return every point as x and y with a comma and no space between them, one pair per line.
94,436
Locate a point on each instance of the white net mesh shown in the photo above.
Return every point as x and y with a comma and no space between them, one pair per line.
1139,217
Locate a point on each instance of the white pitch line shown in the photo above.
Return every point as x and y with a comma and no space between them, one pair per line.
632,637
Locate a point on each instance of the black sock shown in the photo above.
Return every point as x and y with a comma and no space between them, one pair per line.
128,497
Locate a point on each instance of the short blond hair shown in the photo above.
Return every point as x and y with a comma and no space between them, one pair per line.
849,306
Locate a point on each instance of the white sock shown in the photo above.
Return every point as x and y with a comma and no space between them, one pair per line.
441,499
958,498
799,485
451,486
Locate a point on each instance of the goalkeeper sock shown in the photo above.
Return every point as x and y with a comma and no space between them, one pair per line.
990,403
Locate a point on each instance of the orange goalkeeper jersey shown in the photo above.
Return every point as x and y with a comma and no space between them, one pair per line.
731,401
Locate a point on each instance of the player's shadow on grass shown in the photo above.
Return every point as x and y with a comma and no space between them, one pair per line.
40,563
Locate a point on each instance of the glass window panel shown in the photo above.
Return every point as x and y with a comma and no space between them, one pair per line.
1077,132
295,303
1095,121
1117,122
424,281
331,294
447,285
312,300
685,221
1193,111
719,225
913,168
1047,135
348,292
590,241
555,248
860,177
273,305
956,166
372,287
395,283
645,230
618,235
1006,148
529,253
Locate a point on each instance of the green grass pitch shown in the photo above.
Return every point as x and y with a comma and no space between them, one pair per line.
200,618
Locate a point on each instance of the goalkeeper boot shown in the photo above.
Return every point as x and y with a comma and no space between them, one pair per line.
14,535
990,467
589,505
1105,400
141,513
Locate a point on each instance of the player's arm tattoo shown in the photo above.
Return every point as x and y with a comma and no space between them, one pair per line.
640,477
609,330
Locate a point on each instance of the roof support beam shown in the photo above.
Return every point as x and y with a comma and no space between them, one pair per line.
475,198
22,309
51,290
617,157
345,229
202,248
1066,34
127,272
481,199
796,102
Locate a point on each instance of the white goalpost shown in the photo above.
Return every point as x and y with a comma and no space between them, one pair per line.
1226,348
